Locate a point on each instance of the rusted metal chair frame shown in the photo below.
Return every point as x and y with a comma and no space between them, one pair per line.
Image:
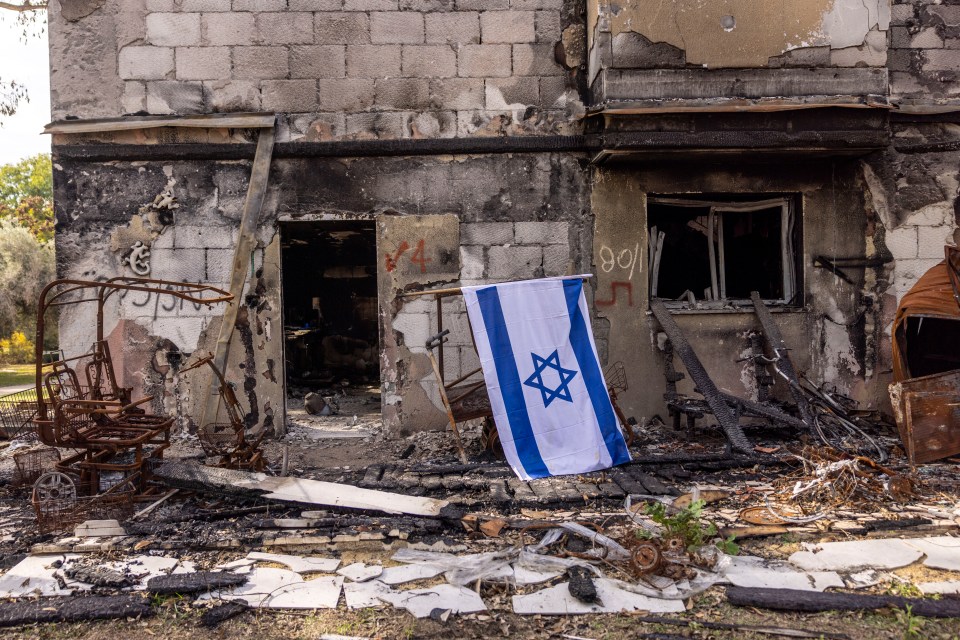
99,419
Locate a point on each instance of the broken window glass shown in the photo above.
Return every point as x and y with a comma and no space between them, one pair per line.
712,252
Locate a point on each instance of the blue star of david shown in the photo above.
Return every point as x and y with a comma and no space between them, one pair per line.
536,379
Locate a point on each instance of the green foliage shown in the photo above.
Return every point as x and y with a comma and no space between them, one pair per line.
912,625
26,266
17,349
26,194
687,524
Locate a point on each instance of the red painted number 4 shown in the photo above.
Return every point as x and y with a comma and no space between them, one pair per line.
418,256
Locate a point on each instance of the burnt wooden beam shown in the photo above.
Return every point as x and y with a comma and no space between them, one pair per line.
813,601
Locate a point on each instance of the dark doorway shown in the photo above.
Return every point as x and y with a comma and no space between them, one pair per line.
329,274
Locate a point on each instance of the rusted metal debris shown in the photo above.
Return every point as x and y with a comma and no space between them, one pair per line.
927,411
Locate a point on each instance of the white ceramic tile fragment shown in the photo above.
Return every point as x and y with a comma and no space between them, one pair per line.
557,600
748,571
360,572
949,586
261,584
420,602
360,595
300,564
409,573
34,575
889,553
320,593
943,552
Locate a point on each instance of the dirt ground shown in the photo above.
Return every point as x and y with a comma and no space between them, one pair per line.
342,447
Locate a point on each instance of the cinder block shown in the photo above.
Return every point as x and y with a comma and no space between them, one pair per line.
203,63
134,96
548,26
396,27
232,95
145,63
457,93
926,39
229,29
900,13
161,5
902,242
427,5
506,93
429,61
341,28
388,125
349,95
931,241
941,60
318,61
172,96
290,96
949,14
486,233
508,263
535,60
260,62
402,93
556,259
373,61
259,5
205,5
433,124
173,29
553,91
485,61
536,4
542,233
482,5
461,27
507,26
469,360
315,5
371,5
285,28
472,265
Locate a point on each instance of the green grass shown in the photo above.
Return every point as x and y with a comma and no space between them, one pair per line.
16,374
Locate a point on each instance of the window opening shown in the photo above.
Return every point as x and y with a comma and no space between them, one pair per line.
712,252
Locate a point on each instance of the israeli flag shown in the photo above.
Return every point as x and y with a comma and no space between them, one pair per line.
540,365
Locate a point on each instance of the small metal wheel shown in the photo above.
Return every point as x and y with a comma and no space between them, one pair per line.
673,545
54,486
645,558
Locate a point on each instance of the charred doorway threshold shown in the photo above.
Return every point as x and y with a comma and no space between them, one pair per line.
329,276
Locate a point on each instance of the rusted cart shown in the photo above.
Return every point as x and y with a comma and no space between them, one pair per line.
85,409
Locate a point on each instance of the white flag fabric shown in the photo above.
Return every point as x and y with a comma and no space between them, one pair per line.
549,399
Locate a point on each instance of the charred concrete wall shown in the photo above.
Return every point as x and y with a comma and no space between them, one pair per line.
335,69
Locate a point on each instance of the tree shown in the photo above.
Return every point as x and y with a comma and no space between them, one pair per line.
26,195
28,15
26,266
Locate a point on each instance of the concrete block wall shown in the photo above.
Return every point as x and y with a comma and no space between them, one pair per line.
924,52
335,68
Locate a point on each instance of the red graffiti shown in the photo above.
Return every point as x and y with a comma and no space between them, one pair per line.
418,257
628,286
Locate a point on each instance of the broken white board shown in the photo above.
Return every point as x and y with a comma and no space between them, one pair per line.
361,595
293,490
139,568
855,555
361,572
300,564
557,601
946,587
409,573
943,552
749,571
320,593
261,584
34,576
420,602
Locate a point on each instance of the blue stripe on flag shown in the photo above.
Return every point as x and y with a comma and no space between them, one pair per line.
510,386
592,377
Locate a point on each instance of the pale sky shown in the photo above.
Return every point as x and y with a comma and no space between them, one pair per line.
26,63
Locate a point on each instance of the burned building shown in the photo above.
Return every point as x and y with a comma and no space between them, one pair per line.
321,157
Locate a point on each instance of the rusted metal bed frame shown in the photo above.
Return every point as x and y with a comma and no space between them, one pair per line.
111,433
465,399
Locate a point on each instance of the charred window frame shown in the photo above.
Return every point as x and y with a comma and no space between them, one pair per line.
755,246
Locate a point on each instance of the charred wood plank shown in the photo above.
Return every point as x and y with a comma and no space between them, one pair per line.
196,582
813,601
13,614
718,405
